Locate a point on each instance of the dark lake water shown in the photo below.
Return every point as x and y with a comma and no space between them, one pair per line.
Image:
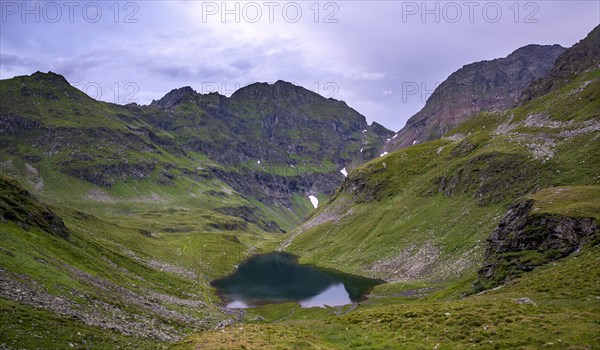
277,277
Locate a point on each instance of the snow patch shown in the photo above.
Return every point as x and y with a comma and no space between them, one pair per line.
414,142
383,154
258,161
314,201
344,172
361,149
364,130
395,136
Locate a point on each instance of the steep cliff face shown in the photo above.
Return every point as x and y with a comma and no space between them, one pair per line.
526,238
482,86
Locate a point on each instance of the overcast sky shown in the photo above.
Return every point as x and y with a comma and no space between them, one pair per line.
384,58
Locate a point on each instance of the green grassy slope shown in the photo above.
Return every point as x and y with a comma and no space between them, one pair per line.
436,203
420,217
149,220
164,222
223,159
106,283
73,151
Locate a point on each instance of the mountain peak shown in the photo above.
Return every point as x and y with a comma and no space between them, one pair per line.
486,86
175,97
279,88
48,76
50,86
536,50
55,79
283,83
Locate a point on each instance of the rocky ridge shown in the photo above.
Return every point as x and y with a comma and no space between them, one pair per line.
482,86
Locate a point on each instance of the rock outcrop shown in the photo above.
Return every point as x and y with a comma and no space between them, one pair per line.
524,240
19,206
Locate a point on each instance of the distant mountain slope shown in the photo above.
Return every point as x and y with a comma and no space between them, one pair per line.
256,156
583,56
423,213
482,86
280,123
281,138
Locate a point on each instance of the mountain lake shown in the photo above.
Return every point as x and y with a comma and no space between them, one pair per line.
278,277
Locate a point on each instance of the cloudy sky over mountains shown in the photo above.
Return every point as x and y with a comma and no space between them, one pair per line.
383,58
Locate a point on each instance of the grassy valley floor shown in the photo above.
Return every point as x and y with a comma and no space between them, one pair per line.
554,307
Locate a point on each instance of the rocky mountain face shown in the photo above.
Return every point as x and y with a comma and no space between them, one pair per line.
482,86
524,240
20,207
281,138
274,144
582,57
279,124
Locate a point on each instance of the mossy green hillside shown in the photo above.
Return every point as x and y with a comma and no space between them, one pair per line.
437,202
104,270
571,201
227,152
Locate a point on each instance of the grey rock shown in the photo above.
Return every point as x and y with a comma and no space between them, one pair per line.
524,240
482,86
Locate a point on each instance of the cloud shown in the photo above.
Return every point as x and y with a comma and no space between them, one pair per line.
12,61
